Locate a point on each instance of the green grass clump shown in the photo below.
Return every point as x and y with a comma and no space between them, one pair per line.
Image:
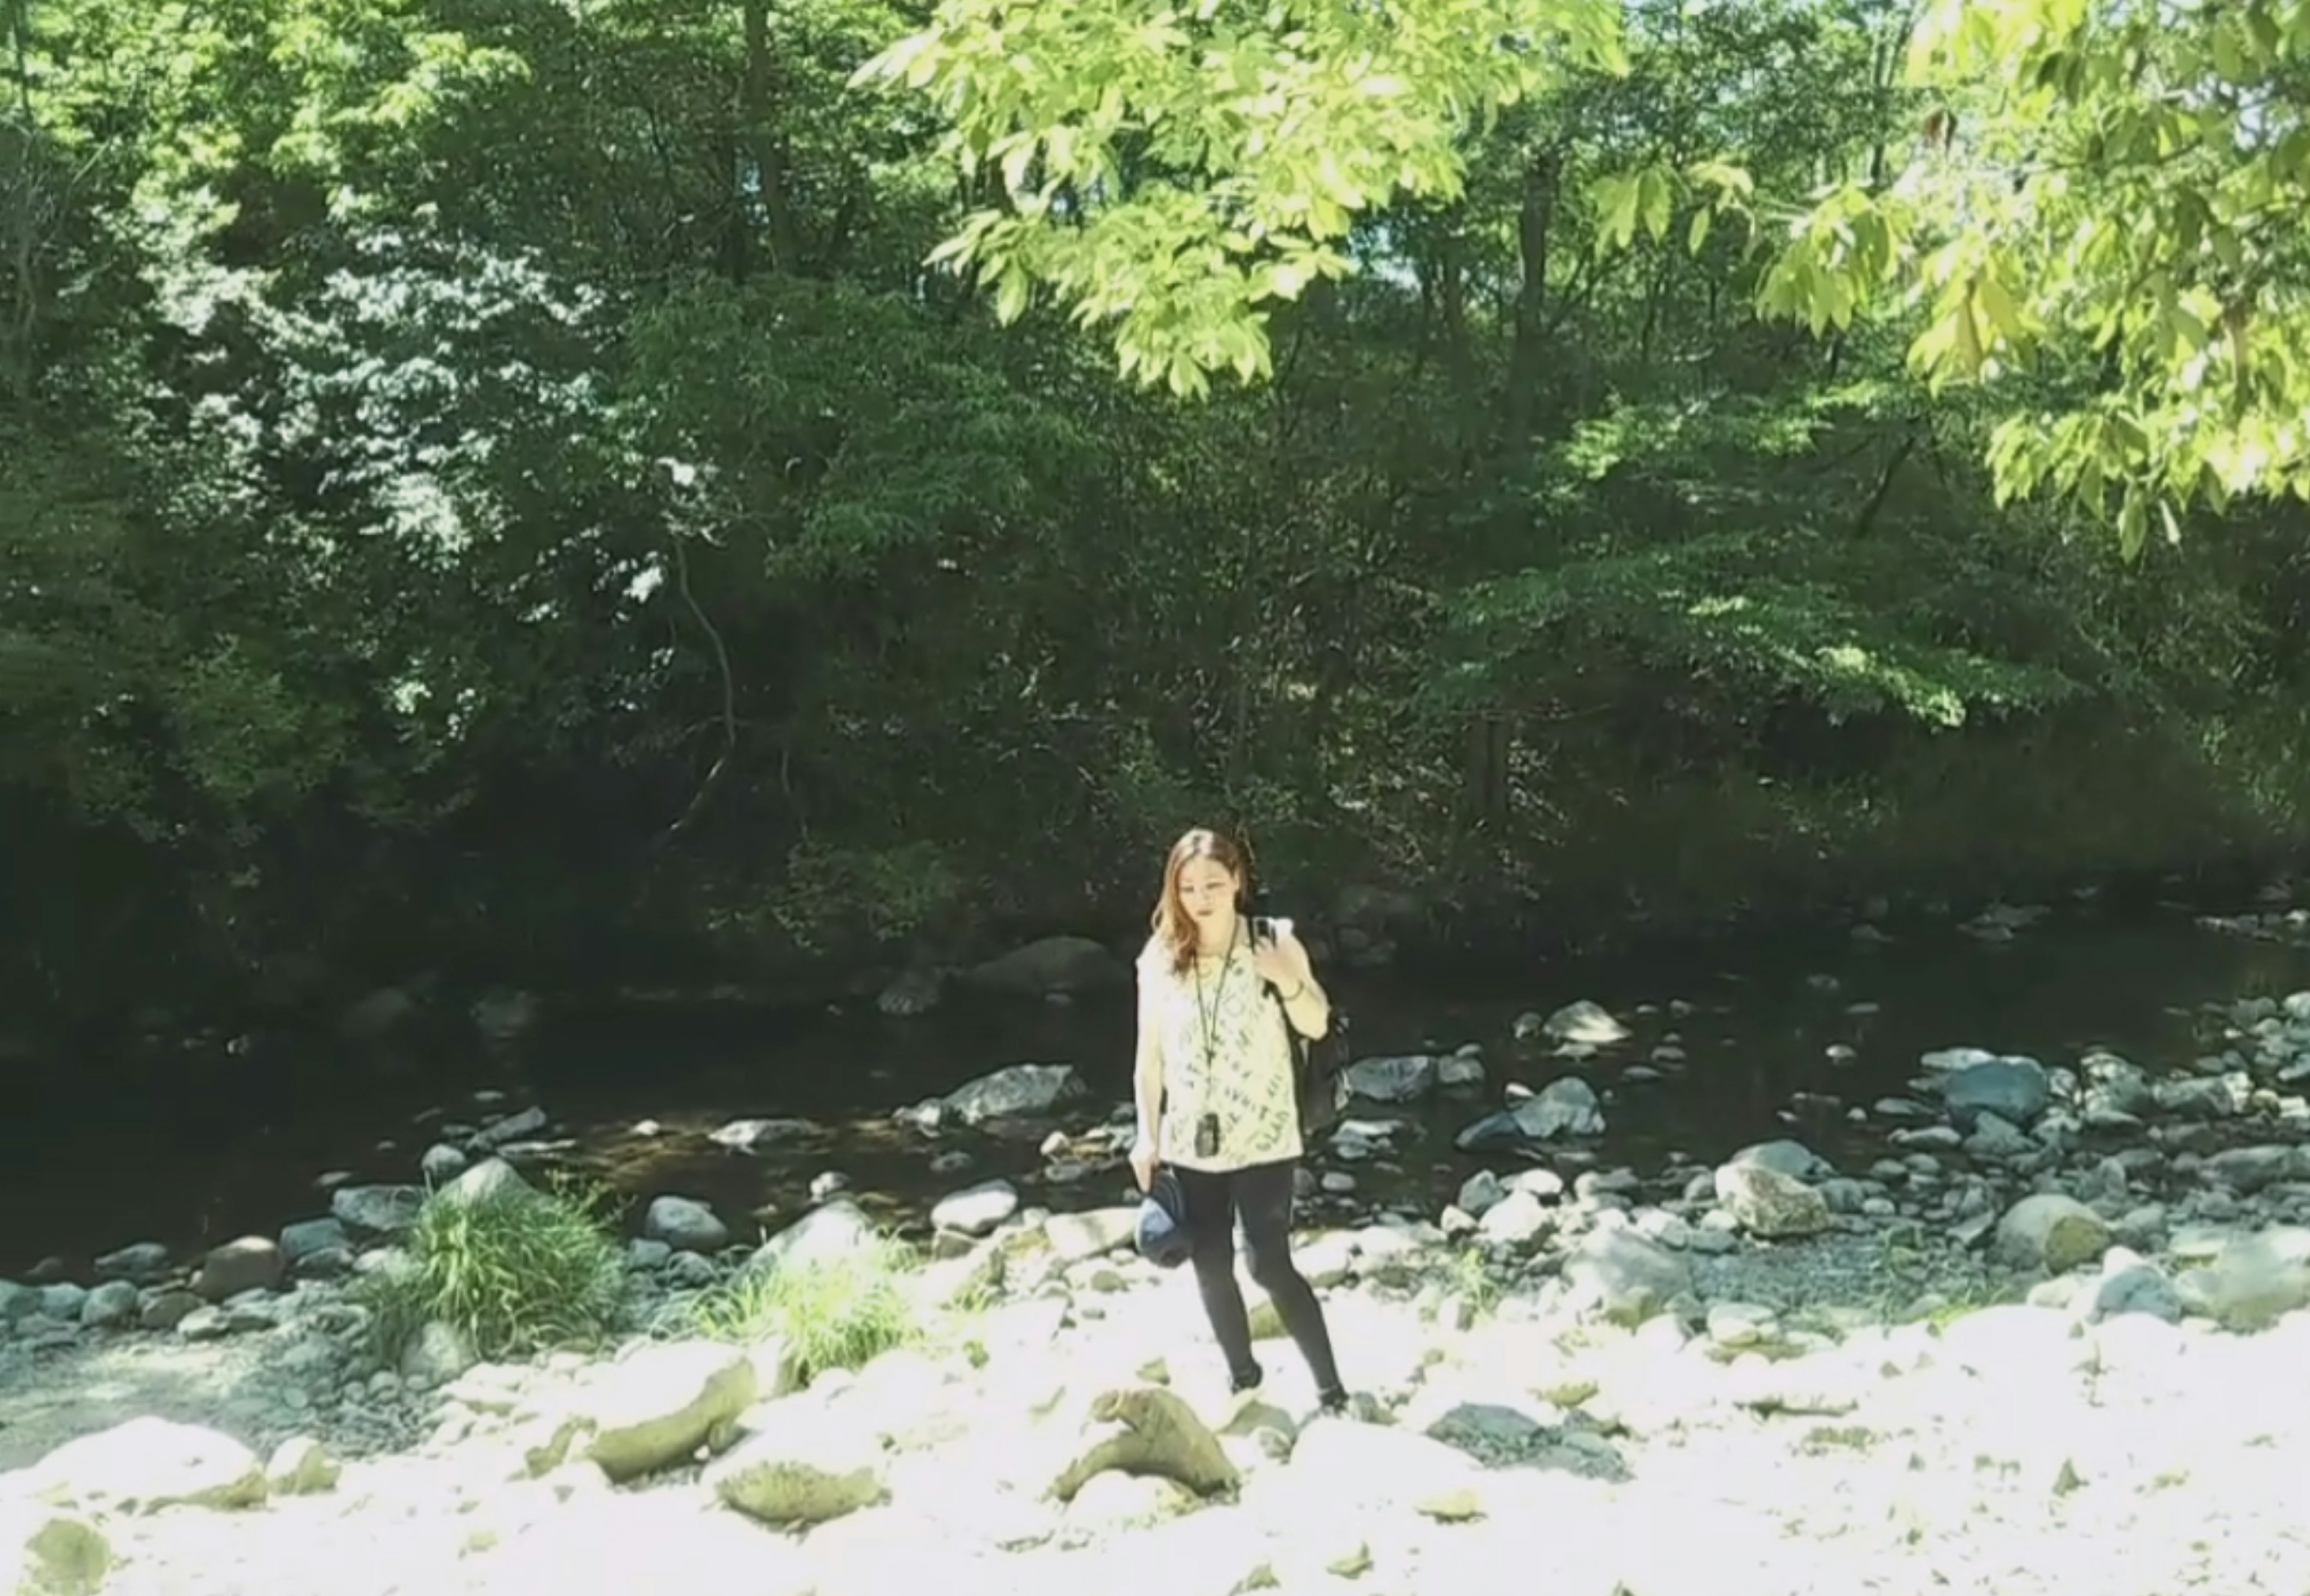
512,1268
840,1312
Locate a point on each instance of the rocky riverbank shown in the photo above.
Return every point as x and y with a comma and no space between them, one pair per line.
2047,1339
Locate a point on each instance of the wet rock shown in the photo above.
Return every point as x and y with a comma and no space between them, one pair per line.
1564,1107
1785,1157
1995,1137
142,1264
2249,1169
441,1162
754,1135
1398,1080
2015,1090
684,1223
384,1213
1016,1091
301,1241
1585,1023
500,1134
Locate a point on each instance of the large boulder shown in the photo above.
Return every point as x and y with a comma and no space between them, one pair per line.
1016,1092
1146,1429
1567,1106
685,1224
834,1230
146,1464
658,1405
1403,1079
2017,1090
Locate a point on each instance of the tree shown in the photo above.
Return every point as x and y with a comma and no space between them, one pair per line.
2099,215
1172,171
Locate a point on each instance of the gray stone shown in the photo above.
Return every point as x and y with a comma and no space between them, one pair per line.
975,1211
1623,1276
1785,1156
826,1234
247,1263
686,1224
2050,1231
142,1263
2130,1284
1016,1091
1770,1204
2017,1090
380,1212
111,1305
1403,1079
1584,1022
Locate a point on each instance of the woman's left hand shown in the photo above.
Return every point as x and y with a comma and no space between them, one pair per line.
1280,961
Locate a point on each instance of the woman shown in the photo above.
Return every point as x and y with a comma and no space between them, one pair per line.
1214,1084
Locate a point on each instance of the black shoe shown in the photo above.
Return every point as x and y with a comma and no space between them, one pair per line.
1332,1402
1239,1383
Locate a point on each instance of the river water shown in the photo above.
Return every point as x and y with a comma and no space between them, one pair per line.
229,1146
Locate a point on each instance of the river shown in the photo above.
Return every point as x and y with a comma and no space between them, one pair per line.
233,1145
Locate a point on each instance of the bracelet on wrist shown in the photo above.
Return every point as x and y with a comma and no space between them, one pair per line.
1296,992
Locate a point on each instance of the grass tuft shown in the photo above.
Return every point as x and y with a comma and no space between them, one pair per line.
511,1269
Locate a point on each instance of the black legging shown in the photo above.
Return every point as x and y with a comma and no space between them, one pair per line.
1261,1194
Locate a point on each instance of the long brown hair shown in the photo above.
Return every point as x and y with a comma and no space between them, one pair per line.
1173,929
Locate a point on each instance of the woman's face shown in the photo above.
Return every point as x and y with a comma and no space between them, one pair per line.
1207,890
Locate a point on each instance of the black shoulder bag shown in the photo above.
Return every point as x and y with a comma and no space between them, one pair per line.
1319,1066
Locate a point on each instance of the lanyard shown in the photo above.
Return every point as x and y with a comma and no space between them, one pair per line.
1209,1016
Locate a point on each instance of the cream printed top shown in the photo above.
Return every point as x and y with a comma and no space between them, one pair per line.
1247,1080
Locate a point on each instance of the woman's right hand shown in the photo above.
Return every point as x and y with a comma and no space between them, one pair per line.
1143,1163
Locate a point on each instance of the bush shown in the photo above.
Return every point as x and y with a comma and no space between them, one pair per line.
834,1312
512,1268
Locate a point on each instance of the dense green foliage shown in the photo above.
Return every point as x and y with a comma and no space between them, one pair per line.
500,488
509,1269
